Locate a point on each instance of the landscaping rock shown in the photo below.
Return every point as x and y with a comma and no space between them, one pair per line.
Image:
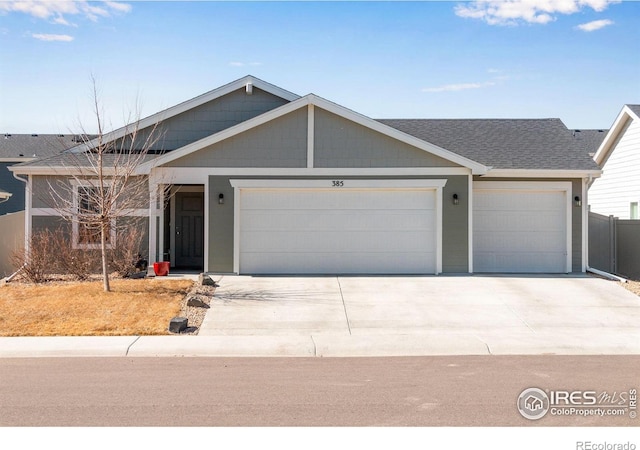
194,301
205,280
178,324
138,275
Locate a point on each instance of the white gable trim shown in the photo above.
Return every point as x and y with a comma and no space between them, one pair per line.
190,104
313,100
616,131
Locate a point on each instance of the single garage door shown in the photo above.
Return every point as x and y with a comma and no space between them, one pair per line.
520,230
337,231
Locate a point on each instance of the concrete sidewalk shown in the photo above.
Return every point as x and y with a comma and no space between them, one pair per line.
387,316
424,344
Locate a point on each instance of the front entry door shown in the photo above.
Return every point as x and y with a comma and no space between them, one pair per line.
189,230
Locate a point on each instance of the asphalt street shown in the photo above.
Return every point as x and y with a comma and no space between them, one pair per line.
430,391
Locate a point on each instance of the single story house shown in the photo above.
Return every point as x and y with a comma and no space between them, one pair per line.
617,191
252,179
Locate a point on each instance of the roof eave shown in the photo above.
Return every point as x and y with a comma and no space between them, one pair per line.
62,170
624,119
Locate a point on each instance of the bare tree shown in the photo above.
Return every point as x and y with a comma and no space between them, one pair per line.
102,188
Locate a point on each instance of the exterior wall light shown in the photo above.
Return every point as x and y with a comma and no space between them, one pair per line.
221,199
455,199
577,201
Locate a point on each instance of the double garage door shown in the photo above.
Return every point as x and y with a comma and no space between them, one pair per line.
338,231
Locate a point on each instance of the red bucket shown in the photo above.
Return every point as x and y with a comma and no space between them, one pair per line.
161,269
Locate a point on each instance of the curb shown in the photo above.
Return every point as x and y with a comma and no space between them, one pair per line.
293,346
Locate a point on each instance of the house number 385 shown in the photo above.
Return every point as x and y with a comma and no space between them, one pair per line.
337,183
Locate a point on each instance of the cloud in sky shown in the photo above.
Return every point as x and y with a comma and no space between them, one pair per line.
56,10
514,12
595,25
459,87
53,37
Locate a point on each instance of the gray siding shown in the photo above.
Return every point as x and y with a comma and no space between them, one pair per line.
208,119
455,226
576,216
41,223
43,188
342,143
46,188
454,236
220,226
14,186
281,142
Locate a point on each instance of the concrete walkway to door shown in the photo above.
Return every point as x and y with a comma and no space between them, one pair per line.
382,316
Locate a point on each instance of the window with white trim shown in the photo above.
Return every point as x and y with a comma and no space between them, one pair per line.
86,221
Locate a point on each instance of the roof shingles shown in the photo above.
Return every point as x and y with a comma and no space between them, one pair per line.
534,144
19,146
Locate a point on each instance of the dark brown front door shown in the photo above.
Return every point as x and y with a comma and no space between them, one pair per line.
189,216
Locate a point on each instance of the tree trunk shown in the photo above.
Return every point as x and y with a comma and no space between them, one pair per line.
103,248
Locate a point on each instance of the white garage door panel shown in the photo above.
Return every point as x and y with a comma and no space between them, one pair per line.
520,231
330,263
324,199
344,231
379,220
336,242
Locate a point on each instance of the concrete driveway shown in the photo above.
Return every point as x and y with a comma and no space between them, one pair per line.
367,316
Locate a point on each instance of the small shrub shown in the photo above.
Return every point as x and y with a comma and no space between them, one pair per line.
122,258
39,255
51,253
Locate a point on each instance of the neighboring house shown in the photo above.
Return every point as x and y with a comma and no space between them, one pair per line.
264,181
617,192
18,148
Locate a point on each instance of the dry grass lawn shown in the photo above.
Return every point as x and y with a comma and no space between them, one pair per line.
134,307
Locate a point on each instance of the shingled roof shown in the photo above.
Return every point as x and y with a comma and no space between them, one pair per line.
534,144
635,109
590,140
20,146
77,160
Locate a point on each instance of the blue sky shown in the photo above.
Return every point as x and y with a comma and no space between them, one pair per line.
578,60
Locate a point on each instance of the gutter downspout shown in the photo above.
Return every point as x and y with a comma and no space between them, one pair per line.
604,274
15,175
